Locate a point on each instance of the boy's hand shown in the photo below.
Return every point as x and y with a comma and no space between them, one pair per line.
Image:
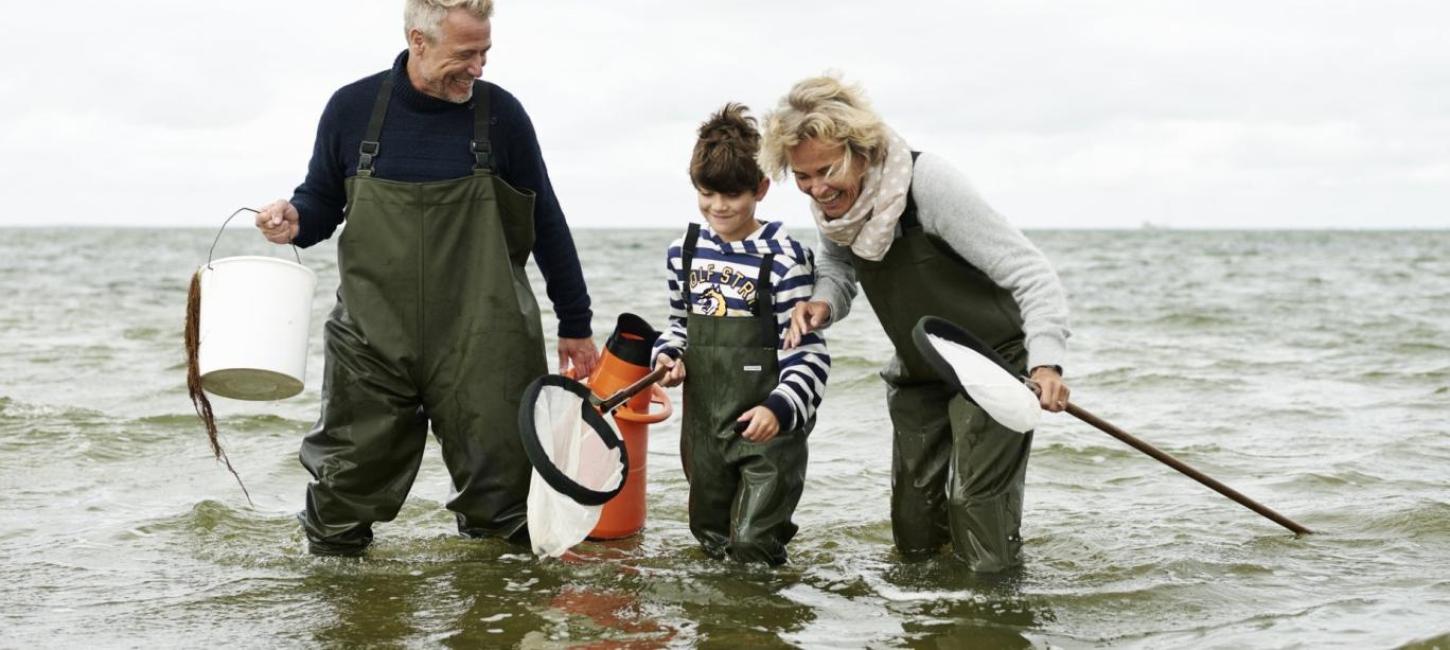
676,375
806,317
762,425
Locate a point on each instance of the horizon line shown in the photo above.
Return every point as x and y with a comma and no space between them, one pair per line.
1140,228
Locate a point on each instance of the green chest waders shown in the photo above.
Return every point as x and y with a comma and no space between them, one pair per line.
435,323
742,494
956,474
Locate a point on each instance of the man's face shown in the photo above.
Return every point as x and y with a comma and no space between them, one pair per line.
447,66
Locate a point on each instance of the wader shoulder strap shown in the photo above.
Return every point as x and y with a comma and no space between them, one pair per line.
909,221
482,148
370,146
687,259
765,301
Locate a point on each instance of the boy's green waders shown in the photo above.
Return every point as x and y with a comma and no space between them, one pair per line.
435,323
956,474
742,494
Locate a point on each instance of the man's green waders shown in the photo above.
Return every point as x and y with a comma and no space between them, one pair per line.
435,322
956,473
742,493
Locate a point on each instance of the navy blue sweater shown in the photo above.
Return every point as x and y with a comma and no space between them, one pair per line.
427,139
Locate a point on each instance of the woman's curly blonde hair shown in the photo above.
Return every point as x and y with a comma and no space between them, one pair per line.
828,109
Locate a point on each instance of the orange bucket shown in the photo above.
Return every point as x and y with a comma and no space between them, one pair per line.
626,358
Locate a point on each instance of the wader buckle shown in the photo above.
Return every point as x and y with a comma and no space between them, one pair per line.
482,155
365,153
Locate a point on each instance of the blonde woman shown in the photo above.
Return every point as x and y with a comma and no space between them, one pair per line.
909,228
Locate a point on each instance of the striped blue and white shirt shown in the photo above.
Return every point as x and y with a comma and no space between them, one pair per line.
723,284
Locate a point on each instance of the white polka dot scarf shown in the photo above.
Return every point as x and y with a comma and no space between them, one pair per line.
870,225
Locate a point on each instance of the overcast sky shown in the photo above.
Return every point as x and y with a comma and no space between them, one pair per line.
1063,114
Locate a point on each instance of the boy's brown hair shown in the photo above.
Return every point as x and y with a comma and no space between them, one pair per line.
724,157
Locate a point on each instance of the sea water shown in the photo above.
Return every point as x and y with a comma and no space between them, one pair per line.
1309,370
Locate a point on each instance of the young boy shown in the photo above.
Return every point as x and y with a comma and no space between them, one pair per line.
748,403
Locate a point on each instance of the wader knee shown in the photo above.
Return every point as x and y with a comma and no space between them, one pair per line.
921,453
986,531
989,473
364,451
772,479
713,485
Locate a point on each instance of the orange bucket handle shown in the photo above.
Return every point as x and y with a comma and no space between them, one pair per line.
657,395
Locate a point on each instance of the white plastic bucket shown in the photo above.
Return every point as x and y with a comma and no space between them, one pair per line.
255,315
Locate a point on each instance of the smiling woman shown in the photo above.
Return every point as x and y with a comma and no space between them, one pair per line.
921,242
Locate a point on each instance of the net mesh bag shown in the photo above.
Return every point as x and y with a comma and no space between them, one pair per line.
969,365
578,461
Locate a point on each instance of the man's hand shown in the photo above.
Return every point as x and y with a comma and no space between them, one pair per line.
763,425
278,222
806,317
579,354
1050,389
676,375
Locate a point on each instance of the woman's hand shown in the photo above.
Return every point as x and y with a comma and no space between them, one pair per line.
1050,389
676,375
806,317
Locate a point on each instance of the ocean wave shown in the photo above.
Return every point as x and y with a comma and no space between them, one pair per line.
13,409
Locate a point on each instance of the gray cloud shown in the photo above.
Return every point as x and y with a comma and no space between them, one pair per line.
1091,114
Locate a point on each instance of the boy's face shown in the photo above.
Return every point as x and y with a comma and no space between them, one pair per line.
731,216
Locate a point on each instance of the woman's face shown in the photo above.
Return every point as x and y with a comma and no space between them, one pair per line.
812,161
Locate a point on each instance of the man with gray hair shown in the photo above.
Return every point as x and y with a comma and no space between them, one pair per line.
445,194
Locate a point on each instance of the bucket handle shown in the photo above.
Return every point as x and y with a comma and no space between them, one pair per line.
657,396
224,229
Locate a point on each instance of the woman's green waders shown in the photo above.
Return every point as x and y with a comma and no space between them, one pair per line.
956,473
435,322
742,494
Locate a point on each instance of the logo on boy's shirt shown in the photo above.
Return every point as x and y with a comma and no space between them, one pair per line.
711,303
711,300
